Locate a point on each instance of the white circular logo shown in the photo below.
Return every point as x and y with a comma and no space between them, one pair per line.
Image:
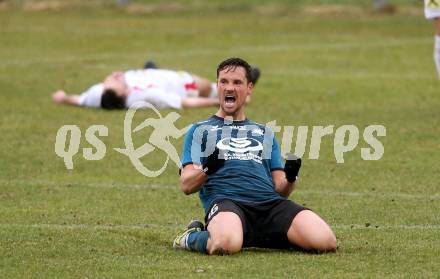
239,145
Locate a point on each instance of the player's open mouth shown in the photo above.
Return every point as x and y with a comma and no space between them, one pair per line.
229,99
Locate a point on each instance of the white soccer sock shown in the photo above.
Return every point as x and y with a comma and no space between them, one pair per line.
437,53
213,94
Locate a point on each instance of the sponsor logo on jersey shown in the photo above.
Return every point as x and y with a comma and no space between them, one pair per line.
240,145
241,149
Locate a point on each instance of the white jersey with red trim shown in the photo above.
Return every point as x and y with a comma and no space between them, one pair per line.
162,88
432,9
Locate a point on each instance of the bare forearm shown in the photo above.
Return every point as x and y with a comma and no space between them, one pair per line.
61,97
192,179
282,186
285,189
71,100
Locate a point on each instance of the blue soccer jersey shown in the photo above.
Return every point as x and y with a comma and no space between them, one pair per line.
251,152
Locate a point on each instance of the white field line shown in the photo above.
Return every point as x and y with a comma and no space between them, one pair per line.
90,227
177,226
387,227
93,185
210,51
388,195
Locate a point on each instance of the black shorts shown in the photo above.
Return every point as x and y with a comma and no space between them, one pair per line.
265,225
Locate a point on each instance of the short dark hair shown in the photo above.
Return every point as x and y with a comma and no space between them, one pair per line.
111,100
234,63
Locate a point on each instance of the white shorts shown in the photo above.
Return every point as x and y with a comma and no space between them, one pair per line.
161,88
432,9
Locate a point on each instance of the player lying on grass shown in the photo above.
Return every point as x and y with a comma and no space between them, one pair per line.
235,165
161,88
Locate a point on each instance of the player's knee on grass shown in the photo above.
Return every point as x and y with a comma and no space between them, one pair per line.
225,234
310,232
224,244
325,241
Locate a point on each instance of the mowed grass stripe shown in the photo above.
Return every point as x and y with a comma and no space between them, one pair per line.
174,226
113,185
385,43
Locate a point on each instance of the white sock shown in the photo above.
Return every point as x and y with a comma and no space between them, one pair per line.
437,53
213,94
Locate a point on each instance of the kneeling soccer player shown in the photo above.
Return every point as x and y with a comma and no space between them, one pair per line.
235,165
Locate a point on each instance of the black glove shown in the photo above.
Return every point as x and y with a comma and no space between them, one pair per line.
213,162
292,166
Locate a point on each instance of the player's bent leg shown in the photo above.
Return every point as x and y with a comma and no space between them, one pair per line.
310,232
193,239
225,234
436,55
437,26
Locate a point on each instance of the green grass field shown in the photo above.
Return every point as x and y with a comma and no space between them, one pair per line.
322,65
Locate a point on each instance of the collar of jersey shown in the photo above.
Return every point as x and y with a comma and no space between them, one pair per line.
235,122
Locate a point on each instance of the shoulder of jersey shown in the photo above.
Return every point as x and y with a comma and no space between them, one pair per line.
206,122
261,126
